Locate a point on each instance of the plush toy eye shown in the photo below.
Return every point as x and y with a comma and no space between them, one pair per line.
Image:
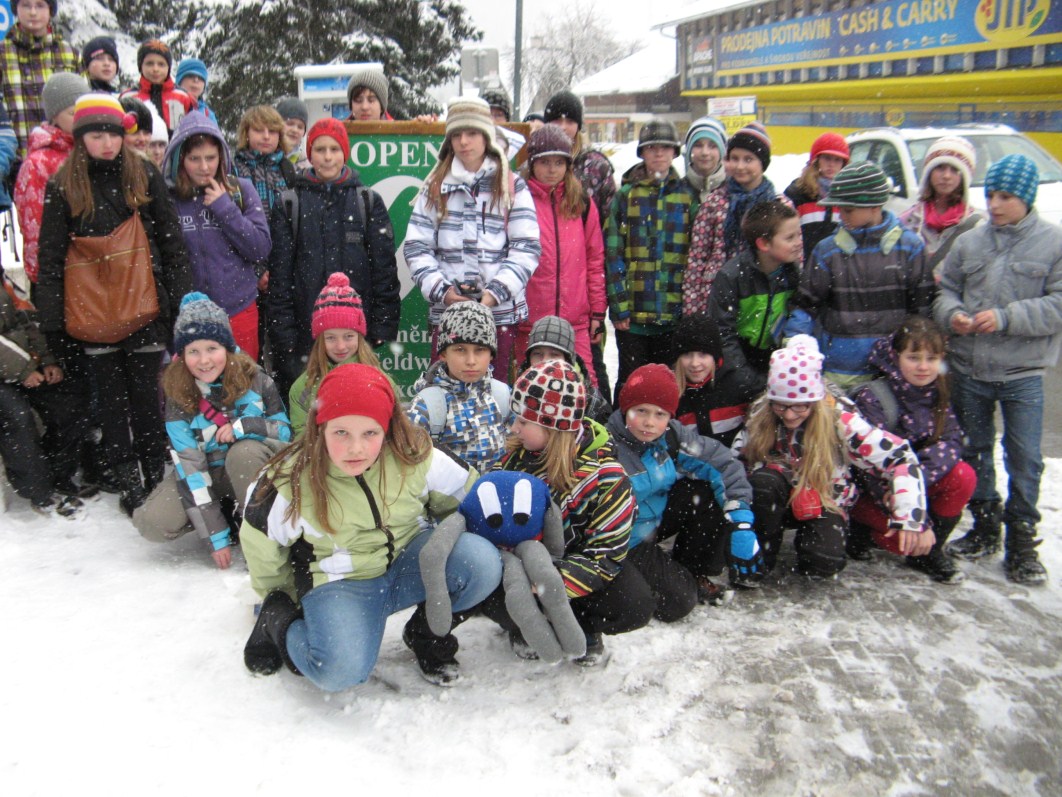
487,494
522,502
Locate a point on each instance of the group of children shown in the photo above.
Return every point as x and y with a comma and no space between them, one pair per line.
764,384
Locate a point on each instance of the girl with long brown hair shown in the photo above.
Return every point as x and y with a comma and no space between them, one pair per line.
570,279
102,186
225,227
337,522
224,419
800,445
473,234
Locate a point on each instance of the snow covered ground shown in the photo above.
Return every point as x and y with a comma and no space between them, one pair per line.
122,671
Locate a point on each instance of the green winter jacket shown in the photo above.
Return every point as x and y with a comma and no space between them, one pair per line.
375,515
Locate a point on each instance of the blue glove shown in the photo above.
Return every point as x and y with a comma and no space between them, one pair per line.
745,557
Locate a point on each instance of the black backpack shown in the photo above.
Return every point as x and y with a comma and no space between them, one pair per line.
289,198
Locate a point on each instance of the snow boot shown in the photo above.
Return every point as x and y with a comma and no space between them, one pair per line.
267,647
154,473
68,507
936,564
520,648
1021,563
713,594
983,539
859,543
596,653
436,656
133,495
84,492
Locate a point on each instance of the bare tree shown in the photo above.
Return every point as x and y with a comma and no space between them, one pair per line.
562,50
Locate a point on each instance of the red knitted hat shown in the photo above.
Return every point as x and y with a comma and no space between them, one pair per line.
356,389
830,144
338,306
329,127
551,395
651,384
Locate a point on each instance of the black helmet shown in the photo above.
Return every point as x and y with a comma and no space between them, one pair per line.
659,131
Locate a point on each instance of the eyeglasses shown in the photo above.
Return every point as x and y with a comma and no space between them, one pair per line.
796,409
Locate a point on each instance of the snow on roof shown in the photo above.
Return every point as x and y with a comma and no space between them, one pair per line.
646,70
701,8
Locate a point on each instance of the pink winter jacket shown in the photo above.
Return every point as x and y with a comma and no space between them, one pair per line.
570,278
47,149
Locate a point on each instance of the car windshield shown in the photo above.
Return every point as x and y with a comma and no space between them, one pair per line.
991,148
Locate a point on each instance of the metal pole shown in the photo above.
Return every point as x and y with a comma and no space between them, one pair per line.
517,76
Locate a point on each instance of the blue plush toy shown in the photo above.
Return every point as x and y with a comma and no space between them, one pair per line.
513,510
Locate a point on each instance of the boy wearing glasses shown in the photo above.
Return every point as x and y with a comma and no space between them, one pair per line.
862,281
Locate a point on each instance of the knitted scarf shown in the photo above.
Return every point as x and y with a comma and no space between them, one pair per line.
741,200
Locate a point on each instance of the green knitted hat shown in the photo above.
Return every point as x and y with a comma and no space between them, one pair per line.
859,185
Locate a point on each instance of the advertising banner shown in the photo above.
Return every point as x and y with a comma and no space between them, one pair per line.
887,30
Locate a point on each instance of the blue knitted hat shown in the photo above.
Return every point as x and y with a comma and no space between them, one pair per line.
201,319
706,127
1015,174
190,66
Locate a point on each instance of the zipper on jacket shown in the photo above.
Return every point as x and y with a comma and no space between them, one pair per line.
377,519
556,237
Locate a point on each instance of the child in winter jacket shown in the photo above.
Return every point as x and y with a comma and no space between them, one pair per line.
574,456
99,64
49,145
943,212
40,469
192,77
704,148
473,234
685,485
800,444
295,115
224,419
751,293
829,154
102,185
226,232
333,224
339,337
139,138
154,60
457,401
911,399
570,278
716,231
552,338
1001,300
862,281
225,229
261,154
30,53
337,522
646,247
713,397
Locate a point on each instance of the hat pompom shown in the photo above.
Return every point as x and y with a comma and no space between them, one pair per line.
803,341
194,296
129,123
338,279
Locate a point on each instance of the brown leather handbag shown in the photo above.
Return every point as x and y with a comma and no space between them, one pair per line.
108,284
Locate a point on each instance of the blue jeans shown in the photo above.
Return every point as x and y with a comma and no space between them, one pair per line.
1022,403
337,642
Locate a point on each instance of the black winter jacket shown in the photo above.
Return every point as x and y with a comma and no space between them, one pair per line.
330,238
169,259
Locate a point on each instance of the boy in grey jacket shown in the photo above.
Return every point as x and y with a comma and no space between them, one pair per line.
1001,297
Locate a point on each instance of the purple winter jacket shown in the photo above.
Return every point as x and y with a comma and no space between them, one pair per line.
226,240
917,418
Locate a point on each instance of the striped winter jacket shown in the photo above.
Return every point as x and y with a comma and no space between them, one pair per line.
860,285
597,512
26,63
256,415
646,244
375,516
479,241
